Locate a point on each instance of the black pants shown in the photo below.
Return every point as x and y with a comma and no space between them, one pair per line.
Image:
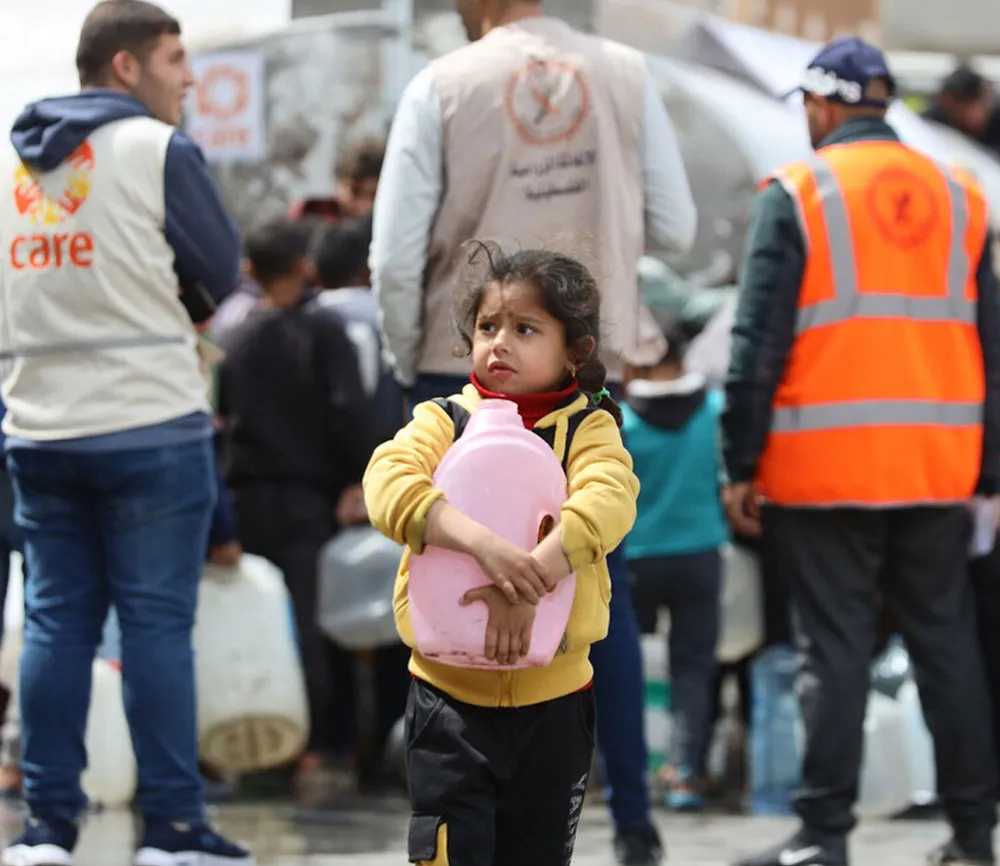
689,585
836,561
985,571
496,786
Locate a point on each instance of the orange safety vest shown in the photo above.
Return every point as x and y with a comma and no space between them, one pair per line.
881,402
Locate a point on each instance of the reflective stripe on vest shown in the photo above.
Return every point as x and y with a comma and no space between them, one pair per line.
875,413
91,346
849,301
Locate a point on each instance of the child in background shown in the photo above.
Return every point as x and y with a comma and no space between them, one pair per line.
671,428
297,441
498,762
340,257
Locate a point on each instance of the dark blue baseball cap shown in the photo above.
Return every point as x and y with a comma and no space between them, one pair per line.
844,71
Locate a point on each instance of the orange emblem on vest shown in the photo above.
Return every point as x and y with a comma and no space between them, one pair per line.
49,208
547,101
903,207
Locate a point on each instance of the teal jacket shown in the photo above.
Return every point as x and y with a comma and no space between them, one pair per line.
671,429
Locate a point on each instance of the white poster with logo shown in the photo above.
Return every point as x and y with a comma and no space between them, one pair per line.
225,111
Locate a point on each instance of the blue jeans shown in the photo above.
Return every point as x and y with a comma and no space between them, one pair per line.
618,686
127,528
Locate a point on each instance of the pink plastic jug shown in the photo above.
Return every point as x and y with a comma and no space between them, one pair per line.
507,478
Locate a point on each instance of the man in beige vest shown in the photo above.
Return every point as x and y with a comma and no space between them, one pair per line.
536,135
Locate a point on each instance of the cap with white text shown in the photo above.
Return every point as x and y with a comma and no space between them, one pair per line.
852,72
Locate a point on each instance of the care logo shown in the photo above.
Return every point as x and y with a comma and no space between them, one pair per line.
47,207
44,202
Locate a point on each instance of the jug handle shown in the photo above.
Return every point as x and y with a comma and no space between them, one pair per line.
545,526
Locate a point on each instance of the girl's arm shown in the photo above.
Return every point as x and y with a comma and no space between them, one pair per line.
398,484
515,572
404,504
551,556
601,506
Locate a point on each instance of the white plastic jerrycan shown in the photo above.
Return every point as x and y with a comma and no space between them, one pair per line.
508,479
741,614
111,775
357,574
252,710
885,786
13,625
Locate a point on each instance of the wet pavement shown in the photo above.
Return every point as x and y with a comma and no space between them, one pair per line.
374,834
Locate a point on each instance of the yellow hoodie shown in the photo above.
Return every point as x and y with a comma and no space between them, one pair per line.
597,515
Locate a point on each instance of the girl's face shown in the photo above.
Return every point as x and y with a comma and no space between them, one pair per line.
518,347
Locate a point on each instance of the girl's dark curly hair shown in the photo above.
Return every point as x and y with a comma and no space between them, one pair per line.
568,292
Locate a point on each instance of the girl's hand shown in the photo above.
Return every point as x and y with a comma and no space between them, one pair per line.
351,510
228,554
508,629
516,573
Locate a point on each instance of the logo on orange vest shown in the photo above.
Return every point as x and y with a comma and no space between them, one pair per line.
547,101
904,207
48,208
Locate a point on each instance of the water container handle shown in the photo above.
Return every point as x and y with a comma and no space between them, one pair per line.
546,523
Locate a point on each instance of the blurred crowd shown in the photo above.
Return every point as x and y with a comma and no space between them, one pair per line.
304,393
313,362
303,396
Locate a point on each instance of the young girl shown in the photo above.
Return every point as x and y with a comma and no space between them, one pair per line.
498,761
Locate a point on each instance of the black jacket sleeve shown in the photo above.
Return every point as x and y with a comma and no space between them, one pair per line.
352,435
764,330
988,322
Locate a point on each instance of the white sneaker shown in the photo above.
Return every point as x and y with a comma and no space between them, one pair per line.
42,844
186,845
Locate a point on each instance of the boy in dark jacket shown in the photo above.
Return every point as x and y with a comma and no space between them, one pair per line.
340,256
297,431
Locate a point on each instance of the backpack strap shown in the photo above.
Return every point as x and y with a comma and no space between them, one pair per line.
459,415
548,435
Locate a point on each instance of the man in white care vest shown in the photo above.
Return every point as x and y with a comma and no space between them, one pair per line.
115,241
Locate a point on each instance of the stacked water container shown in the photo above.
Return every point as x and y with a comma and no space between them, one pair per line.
897,768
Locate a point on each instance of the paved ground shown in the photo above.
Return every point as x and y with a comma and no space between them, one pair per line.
374,835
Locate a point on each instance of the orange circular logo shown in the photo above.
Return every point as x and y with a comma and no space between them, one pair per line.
51,207
903,206
547,101
223,93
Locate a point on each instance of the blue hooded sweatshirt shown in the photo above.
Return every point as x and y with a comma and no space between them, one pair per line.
204,238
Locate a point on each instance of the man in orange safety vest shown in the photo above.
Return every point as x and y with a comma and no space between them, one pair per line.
863,411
